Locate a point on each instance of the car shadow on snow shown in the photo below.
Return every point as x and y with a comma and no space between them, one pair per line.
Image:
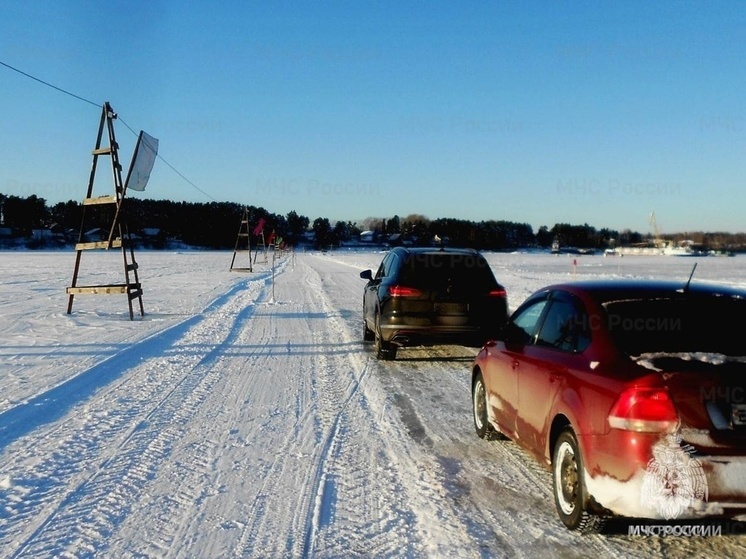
432,354
434,359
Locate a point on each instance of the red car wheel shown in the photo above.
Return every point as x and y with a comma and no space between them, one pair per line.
569,488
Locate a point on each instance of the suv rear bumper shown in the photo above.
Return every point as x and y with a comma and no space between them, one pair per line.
431,334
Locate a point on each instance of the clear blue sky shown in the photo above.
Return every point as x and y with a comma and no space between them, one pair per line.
533,112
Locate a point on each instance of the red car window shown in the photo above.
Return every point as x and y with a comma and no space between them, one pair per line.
565,327
525,323
682,324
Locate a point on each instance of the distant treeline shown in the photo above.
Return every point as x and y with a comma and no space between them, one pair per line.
161,223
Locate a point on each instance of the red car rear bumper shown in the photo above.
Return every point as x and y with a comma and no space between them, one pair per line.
653,476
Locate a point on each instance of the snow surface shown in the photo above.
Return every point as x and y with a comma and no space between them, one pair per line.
242,416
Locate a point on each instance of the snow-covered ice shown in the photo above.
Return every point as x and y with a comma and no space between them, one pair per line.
242,416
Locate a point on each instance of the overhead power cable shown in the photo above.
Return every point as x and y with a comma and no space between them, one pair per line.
120,119
49,84
158,155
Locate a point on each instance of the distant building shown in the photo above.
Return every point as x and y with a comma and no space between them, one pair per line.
151,232
41,234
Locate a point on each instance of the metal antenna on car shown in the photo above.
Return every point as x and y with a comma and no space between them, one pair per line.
686,287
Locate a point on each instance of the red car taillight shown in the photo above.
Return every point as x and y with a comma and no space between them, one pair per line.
644,410
498,293
402,291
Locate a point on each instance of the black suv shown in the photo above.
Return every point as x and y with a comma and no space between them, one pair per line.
422,296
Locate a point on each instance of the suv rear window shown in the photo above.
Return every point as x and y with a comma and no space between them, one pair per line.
686,324
462,272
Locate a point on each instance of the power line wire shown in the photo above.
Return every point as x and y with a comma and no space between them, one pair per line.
120,119
159,156
49,84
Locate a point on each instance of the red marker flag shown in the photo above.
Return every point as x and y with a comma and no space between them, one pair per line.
259,227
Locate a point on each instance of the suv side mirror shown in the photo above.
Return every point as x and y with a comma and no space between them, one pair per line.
367,275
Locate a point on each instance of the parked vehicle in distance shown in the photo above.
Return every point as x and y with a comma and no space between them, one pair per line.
422,296
632,393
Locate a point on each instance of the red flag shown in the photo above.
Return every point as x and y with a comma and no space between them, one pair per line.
271,237
259,227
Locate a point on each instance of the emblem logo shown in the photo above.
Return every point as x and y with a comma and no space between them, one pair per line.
674,480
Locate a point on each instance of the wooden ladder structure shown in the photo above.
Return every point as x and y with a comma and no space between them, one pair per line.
243,244
118,236
263,245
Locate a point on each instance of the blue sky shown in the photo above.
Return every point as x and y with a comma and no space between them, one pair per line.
533,112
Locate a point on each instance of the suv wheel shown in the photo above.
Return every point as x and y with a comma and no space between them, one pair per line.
368,335
385,351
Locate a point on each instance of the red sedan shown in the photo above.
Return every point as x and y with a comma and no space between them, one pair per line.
633,393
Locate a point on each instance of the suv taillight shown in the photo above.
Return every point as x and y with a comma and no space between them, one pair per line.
498,293
644,410
402,291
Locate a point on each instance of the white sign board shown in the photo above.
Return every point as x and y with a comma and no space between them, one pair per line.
143,160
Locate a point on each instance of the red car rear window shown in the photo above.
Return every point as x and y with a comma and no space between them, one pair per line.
685,324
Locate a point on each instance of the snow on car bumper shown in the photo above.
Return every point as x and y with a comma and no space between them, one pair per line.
675,489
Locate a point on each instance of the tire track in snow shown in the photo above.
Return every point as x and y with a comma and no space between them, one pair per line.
321,487
325,415
359,485
315,412
348,480
48,406
324,483
101,493
103,498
